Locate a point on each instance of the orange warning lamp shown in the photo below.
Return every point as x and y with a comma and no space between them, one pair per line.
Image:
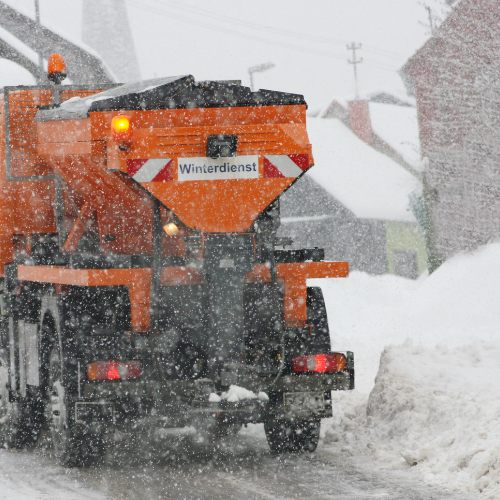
56,71
120,125
122,131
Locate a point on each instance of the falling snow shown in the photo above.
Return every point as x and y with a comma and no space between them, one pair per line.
173,275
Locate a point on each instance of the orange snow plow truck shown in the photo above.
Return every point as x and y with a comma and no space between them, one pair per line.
143,280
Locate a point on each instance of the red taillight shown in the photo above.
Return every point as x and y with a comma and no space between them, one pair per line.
320,363
113,370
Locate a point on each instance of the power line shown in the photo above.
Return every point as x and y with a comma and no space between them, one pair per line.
295,34
276,30
185,18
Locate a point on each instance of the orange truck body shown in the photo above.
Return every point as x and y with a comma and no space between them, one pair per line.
142,274
97,188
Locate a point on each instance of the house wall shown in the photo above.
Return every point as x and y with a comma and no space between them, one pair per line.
463,171
458,102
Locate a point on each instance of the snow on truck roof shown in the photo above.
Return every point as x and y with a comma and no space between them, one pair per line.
170,93
369,183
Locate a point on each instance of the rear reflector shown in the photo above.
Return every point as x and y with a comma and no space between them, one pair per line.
320,363
113,370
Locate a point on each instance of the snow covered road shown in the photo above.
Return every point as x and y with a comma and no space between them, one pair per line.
31,476
244,469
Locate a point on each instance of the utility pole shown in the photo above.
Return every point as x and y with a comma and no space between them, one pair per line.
37,19
355,61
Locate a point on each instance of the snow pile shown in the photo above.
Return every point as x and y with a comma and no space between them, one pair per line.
439,409
364,314
237,393
435,405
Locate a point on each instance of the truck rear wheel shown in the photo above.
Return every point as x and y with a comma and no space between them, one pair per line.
73,444
319,341
20,422
292,436
12,430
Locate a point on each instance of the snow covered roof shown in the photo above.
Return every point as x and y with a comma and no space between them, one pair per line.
398,126
391,98
336,108
369,183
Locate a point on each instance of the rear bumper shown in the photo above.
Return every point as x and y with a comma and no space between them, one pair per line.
341,381
180,403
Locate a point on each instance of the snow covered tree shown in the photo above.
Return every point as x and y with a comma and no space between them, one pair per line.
436,12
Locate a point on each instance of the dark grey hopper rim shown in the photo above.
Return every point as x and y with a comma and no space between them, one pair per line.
185,93
178,92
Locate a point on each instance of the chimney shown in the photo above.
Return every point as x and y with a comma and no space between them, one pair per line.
359,119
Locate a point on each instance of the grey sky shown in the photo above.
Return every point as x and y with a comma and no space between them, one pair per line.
220,39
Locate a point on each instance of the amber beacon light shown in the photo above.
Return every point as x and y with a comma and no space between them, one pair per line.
121,129
120,124
56,68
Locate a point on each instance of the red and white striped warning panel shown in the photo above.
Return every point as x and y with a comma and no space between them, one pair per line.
151,169
285,165
240,167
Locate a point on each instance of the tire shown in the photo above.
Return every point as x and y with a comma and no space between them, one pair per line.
287,436
20,421
74,445
292,437
319,340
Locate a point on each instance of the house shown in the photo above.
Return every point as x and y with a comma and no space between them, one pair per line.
354,203
384,121
455,78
